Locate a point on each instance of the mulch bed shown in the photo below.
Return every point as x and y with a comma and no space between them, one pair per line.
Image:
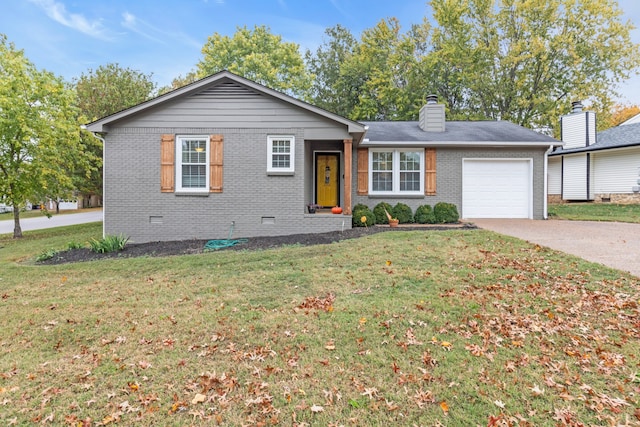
184,247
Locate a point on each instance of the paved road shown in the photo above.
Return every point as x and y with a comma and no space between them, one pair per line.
614,244
55,221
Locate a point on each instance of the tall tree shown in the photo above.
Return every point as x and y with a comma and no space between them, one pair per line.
257,55
329,89
531,58
39,133
101,92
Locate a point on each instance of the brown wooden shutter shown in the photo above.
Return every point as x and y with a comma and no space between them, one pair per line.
430,171
167,163
216,152
363,171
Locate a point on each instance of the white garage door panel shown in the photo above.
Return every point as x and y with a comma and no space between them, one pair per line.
496,189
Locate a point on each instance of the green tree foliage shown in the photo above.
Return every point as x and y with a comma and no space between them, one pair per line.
111,88
526,60
39,133
517,60
257,55
101,92
330,89
376,78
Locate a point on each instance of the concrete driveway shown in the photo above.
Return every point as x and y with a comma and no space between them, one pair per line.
613,244
37,223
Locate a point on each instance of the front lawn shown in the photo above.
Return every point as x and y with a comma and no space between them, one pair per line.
455,328
595,212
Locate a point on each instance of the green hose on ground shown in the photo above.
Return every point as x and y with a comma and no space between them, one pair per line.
214,245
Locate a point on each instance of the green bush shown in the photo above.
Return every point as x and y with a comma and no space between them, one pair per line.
356,219
359,206
424,215
446,213
403,213
381,216
110,243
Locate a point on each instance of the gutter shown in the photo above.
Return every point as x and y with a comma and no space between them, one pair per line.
545,201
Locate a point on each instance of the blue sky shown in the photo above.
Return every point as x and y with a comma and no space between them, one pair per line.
164,38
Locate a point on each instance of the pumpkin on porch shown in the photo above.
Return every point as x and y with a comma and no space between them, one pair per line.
336,210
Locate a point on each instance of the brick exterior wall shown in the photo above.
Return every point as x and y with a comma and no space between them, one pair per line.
256,203
449,177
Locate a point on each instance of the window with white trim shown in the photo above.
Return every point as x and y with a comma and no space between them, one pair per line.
397,171
192,155
281,154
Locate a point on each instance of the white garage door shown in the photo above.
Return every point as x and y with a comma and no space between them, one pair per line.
496,188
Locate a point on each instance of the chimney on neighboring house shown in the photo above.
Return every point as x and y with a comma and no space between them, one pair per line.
578,128
432,115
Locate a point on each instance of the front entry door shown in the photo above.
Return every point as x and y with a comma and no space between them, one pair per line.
327,179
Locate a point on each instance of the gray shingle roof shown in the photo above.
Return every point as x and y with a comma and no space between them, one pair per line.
616,137
456,132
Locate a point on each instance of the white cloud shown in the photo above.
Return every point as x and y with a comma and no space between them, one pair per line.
150,32
58,12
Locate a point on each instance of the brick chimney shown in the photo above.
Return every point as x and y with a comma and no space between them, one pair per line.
578,128
432,115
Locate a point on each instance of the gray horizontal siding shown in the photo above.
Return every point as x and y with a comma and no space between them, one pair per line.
250,111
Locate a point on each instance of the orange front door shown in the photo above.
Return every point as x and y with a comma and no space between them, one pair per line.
327,179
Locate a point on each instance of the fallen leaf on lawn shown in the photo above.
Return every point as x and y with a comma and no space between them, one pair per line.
388,262
537,391
199,398
446,345
331,345
317,408
499,404
444,407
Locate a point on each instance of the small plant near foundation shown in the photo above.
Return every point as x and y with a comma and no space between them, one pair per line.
403,213
111,243
446,213
75,245
362,211
424,215
46,254
380,211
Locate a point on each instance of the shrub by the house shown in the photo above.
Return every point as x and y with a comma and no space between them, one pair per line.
361,211
403,213
446,213
424,215
381,215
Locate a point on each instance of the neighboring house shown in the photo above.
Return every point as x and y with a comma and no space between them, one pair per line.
602,167
227,154
632,121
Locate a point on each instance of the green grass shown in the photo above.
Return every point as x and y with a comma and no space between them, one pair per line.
595,212
390,329
8,216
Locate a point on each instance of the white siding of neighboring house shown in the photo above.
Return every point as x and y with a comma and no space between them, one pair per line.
579,129
616,171
574,176
554,176
633,120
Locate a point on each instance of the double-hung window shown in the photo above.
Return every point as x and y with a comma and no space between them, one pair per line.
281,154
192,154
396,171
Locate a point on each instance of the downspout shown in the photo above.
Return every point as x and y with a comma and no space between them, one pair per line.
545,201
104,148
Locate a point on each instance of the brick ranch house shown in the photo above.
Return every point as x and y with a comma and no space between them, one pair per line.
227,153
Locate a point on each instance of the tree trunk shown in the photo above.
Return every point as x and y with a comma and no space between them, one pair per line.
17,230
57,206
